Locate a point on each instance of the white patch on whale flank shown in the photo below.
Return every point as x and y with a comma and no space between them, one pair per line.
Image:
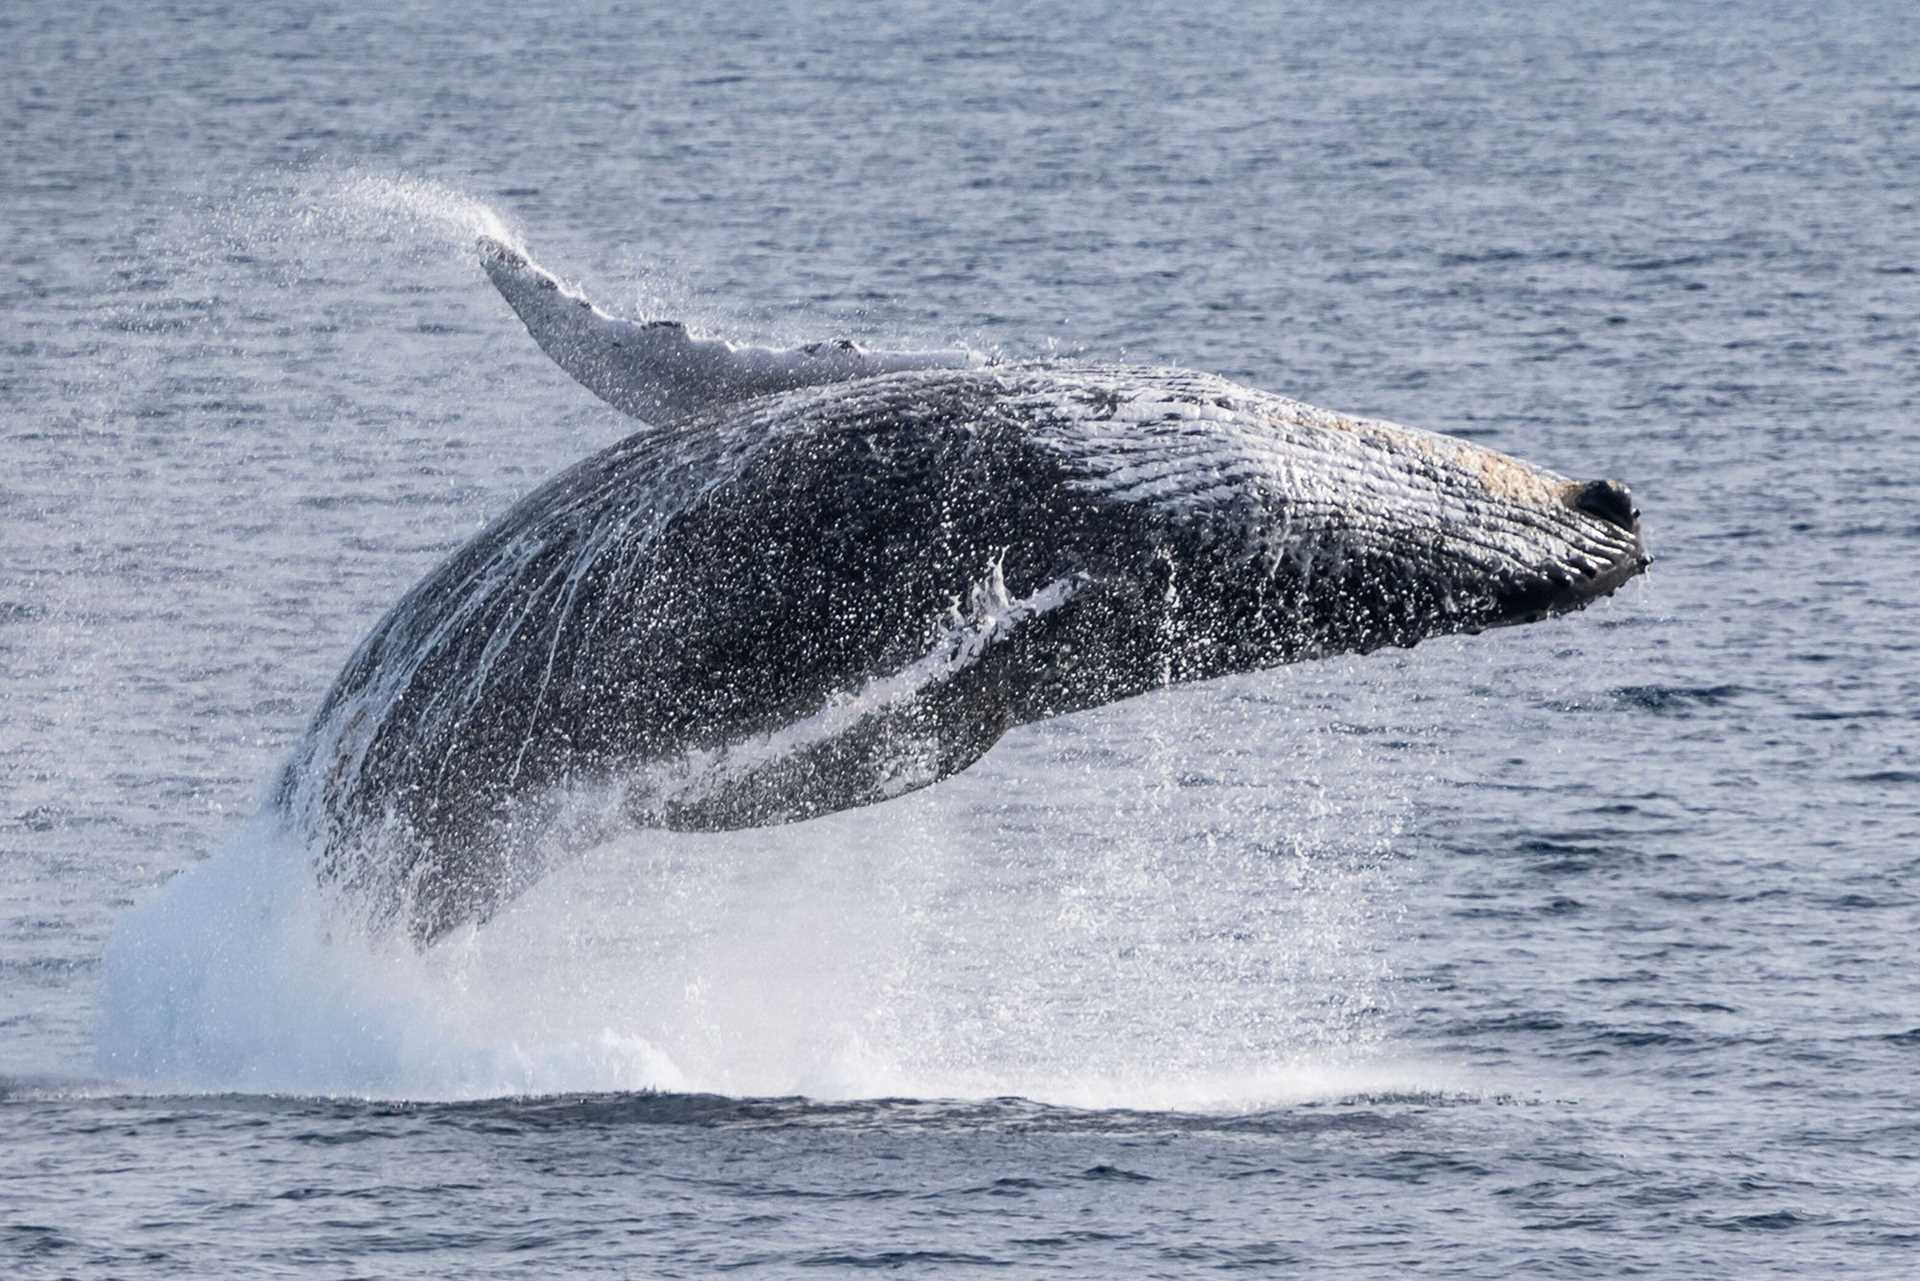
991,616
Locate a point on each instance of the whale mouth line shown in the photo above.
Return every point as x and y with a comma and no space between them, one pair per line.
1632,560
1570,590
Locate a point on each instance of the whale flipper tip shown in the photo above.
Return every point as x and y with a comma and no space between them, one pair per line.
498,253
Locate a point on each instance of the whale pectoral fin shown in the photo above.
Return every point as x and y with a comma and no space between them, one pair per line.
884,755
658,370
896,734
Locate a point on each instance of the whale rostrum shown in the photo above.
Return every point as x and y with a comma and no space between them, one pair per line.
823,577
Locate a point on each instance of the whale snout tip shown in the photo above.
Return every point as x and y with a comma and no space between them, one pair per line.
1603,560
1610,501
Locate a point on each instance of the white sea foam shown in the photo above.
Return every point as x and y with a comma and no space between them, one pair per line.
980,939
242,974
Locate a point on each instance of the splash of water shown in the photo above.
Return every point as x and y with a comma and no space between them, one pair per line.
1124,909
413,207
1018,931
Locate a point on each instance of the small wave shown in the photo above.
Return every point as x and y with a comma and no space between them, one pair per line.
894,1260
1842,714
1665,264
1503,256
1677,699
1775,1221
43,818
1114,1174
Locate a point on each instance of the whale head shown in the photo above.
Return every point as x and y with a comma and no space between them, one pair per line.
1257,530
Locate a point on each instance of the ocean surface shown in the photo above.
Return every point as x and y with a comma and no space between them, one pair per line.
1581,949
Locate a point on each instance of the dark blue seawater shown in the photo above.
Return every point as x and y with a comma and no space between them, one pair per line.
1583,949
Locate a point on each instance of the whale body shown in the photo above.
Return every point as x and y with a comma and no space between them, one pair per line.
822,577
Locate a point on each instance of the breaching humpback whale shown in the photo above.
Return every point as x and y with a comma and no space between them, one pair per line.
825,576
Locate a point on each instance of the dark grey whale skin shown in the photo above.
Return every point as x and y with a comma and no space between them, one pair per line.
653,620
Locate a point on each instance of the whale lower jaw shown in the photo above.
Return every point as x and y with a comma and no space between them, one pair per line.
1582,586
